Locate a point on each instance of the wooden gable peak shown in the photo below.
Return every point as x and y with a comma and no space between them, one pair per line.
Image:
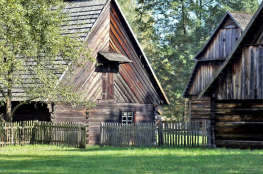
248,37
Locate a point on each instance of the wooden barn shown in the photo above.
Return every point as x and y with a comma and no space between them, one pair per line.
122,82
236,91
210,58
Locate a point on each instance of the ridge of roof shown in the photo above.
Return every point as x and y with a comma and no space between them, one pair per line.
241,41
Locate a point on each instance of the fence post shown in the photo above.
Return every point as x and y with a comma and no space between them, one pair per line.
83,137
209,133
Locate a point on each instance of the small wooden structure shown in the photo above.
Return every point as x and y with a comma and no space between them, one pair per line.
210,58
236,91
122,82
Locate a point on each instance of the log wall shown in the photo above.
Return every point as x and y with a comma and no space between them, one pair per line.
111,113
199,108
238,124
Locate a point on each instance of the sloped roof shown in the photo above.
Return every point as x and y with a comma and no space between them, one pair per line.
82,16
246,38
241,19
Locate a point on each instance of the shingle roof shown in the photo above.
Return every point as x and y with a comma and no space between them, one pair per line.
82,16
242,18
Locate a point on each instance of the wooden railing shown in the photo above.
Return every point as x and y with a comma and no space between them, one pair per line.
33,132
193,134
125,135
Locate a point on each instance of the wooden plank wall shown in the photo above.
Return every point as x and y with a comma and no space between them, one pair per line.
222,44
213,55
244,78
88,79
238,124
110,112
199,108
132,84
203,75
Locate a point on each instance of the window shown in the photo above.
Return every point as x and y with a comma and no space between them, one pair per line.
127,118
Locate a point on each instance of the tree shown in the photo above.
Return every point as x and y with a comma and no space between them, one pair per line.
34,54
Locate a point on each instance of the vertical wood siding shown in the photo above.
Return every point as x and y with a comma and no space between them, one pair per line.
204,73
243,79
222,44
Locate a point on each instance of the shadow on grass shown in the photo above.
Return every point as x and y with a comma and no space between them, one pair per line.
121,160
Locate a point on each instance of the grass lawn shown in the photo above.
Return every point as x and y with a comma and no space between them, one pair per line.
58,159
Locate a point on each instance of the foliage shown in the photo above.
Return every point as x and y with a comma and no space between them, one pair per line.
59,159
34,54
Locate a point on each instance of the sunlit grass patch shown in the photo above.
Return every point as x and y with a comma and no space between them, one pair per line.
93,159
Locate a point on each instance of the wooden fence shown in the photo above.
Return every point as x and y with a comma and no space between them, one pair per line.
33,132
178,134
125,135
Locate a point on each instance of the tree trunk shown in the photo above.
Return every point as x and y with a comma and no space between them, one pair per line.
8,117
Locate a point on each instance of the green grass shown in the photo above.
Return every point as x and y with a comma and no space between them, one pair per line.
57,159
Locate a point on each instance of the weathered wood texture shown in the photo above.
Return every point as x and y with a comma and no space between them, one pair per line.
66,113
34,132
119,135
133,84
203,74
124,83
243,79
222,43
89,79
111,112
192,134
239,124
199,108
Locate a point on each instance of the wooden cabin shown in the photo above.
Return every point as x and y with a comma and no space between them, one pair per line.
122,82
210,58
236,91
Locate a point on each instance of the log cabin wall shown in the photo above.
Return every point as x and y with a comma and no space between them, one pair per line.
199,108
238,123
111,112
